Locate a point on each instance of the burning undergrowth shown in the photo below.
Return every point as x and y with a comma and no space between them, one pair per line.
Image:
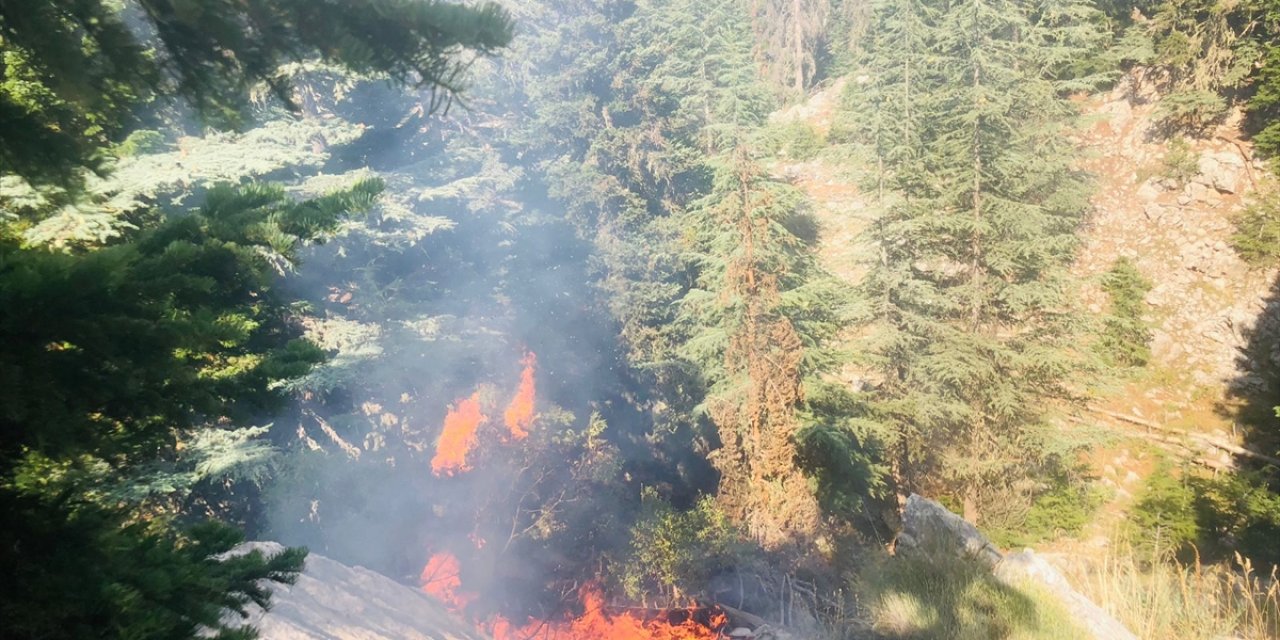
581,614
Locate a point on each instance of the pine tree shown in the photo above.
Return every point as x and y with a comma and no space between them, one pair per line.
749,310
139,343
970,297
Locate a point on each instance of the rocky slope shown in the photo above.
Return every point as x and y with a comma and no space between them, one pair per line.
331,601
1206,300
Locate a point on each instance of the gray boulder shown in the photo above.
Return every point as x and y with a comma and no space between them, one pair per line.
930,527
331,601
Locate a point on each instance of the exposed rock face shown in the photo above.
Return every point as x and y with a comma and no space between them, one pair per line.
929,526
331,601
1206,300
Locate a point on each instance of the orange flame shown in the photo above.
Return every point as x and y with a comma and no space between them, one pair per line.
441,579
519,414
458,438
595,624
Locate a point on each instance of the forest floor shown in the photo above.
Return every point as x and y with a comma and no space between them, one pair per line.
1208,310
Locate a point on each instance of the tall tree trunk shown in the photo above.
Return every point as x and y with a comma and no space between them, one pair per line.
797,21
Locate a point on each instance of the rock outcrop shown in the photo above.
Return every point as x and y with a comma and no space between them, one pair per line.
930,527
332,601
1175,222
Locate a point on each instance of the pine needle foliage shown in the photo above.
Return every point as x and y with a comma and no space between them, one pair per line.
74,72
123,374
980,205
1126,338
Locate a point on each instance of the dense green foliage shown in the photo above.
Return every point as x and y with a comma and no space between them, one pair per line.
980,207
73,73
86,571
1257,236
143,338
1207,517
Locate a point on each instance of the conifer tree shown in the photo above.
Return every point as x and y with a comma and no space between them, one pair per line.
969,298
134,365
758,312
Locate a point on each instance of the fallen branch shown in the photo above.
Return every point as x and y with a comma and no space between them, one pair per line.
1202,438
740,618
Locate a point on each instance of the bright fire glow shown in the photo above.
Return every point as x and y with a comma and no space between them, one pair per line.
597,624
458,438
519,414
442,580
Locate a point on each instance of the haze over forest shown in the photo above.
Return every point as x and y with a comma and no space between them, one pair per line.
644,319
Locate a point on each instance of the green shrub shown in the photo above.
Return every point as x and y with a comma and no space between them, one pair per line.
1257,236
1163,520
675,551
1180,163
793,140
1064,509
1211,517
1191,110
1126,339
141,142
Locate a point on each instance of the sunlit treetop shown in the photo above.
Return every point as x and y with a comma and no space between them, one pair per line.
73,72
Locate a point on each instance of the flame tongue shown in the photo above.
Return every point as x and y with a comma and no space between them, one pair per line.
441,575
458,437
441,580
519,414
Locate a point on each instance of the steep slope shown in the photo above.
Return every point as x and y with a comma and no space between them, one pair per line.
331,601
1206,299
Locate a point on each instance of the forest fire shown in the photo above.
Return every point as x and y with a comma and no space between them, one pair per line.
519,414
441,576
597,623
441,580
458,437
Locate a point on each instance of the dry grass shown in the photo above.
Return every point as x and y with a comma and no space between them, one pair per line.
1168,599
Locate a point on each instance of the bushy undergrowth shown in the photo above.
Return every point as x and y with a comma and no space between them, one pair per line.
794,140
1189,517
1257,236
949,598
674,552
1062,510
1180,163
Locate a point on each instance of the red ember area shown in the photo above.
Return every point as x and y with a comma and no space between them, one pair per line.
458,438
519,414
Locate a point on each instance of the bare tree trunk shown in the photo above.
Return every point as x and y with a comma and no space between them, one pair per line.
797,34
971,505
